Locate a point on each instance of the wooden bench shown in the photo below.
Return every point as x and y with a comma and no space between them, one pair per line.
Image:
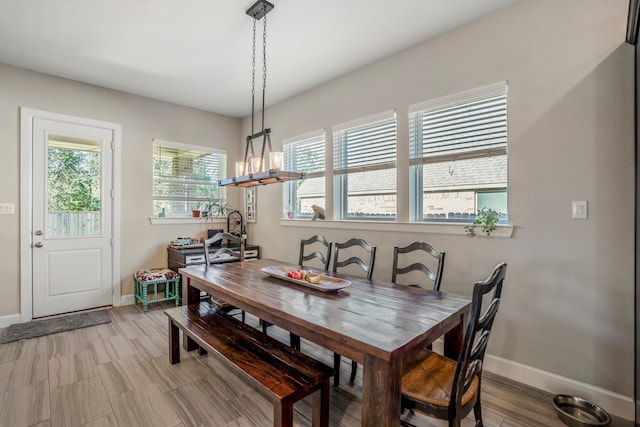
276,371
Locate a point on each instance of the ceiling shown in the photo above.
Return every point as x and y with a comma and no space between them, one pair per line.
197,53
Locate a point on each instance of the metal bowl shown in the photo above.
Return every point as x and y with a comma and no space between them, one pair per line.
577,412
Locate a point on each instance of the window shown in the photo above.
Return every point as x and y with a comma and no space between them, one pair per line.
364,165
185,177
458,155
304,154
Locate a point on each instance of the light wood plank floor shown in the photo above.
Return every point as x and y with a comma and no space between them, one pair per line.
118,374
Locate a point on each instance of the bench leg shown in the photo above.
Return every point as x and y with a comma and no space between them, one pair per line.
320,409
283,414
174,343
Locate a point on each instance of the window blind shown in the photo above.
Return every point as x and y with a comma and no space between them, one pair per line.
306,155
185,175
365,147
467,125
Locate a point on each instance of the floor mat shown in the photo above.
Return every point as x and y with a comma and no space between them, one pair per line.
38,328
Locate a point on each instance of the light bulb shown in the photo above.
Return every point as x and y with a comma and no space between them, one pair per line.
275,160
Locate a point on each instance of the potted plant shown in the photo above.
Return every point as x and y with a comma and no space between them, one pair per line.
215,208
288,210
487,218
195,211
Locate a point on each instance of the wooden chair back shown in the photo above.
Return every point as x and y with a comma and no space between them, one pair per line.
429,250
324,254
365,265
476,337
219,251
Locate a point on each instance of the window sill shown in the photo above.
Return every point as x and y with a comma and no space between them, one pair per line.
457,229
185,220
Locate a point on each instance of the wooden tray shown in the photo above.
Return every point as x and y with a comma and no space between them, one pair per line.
327,284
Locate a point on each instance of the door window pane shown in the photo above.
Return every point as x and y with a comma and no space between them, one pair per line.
74,182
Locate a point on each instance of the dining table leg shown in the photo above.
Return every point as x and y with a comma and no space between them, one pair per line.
381,392
190,295
453,339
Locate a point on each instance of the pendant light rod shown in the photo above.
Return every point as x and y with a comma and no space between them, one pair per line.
247,175
264,63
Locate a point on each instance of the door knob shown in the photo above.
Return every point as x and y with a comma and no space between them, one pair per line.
39,245
38,233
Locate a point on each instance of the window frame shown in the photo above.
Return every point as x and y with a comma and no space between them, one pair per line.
290,193
222,161
417,160
342,169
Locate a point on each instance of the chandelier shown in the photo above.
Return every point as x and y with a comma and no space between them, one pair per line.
253,169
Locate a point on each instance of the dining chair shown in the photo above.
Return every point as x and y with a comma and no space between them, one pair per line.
442,388
215,243
323,253
318,248
367,267
407,254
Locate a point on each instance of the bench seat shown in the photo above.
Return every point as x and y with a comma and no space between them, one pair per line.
276,371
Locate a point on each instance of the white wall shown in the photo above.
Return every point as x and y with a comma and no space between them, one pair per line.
142,119
567,313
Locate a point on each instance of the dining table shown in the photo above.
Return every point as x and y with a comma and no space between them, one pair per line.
372,322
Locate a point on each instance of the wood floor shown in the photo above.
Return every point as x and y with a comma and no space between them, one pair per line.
118,374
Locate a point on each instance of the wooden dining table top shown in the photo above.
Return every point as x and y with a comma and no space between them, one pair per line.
373,317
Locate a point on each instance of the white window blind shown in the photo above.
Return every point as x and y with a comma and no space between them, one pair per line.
466,125
366,145
305,154
364,168
458,155
184,177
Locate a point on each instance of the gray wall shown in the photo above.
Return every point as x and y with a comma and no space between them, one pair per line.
637,205
142,119
568,301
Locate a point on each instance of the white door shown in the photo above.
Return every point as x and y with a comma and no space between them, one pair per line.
72,217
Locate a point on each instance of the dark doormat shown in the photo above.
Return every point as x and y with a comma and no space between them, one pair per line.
38,328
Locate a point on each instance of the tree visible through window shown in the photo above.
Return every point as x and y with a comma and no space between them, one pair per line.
458,155
74,182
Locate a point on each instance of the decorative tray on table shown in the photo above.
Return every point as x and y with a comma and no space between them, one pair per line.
326,284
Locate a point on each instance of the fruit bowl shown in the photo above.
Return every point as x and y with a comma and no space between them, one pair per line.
326,284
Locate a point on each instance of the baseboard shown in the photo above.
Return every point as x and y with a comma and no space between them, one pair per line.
127,299
9,320
614,403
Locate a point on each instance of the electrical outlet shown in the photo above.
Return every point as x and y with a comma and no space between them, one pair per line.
579,210
7,208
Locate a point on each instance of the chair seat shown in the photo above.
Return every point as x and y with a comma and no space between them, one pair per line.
156,274
428,378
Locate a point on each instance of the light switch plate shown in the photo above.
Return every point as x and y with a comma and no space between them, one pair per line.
7,208
579,209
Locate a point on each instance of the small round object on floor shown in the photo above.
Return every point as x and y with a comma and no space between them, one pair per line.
577,412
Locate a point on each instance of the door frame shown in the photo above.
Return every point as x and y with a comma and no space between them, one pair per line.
27,116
